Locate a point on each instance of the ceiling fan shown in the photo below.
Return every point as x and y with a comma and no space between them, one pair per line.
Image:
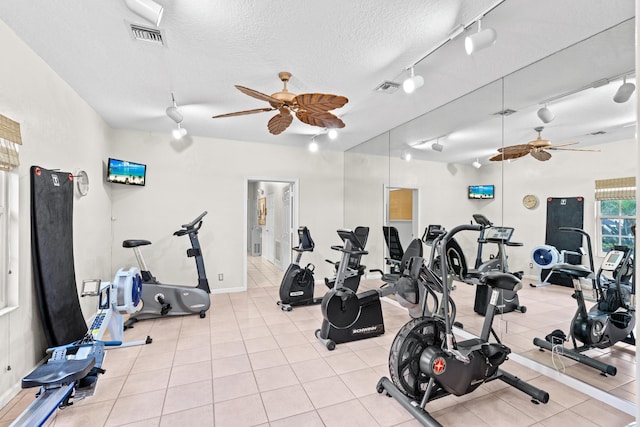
537,148
310,108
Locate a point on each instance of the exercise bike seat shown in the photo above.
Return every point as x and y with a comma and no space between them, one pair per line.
135,243
576,271
59,372
505,281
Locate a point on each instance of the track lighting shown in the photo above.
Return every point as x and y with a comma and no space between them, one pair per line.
179,132
313,145
480,40
174,114
477,164
406,156
624,91
147,9
545,114
413,82
333,134
436,146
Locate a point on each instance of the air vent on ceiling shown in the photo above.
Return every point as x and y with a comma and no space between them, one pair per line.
599,132
145,34
387,87
505,112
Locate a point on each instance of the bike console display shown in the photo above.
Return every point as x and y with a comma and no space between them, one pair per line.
498,234
612,260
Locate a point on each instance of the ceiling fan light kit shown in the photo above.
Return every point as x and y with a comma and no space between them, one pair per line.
147,9
310,108
333,134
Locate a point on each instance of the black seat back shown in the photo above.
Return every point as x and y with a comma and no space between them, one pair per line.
392,238
413,250
304,237
362,233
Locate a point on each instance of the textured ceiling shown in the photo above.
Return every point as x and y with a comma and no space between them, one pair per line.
332,46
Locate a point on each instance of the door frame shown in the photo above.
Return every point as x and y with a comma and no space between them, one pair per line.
295,184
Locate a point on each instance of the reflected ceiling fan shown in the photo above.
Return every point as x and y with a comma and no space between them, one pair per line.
310,108
537,148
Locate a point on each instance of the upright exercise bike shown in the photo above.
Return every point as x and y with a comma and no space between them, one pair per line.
159,299
426,362
298,284
610,320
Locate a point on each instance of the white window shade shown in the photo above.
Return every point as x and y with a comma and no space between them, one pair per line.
616,188
9,140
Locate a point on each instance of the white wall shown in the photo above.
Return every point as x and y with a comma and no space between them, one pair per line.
209,174
59,131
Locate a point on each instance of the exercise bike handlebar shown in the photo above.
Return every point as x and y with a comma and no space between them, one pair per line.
584,233
191,227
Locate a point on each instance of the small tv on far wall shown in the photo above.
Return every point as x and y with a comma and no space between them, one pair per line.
481,191
125,172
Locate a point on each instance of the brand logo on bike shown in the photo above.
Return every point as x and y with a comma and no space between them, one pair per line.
439,365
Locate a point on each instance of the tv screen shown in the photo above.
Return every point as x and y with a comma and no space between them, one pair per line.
481,191
124,172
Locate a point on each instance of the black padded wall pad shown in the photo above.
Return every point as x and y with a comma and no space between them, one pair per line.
52,256
564,212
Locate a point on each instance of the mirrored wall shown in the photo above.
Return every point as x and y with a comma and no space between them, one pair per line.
593,139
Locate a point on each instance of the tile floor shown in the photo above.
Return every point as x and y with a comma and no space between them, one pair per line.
250,364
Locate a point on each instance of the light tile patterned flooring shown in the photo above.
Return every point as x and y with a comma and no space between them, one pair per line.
250,364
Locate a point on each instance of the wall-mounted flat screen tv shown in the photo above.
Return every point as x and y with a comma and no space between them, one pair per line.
481,191
125,172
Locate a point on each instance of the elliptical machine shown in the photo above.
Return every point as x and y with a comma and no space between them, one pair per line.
610,320
159,299
298,285
426,362
349,316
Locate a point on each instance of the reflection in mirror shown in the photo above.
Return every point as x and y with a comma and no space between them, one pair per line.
593,140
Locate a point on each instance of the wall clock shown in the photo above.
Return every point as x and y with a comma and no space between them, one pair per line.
530,201
82,182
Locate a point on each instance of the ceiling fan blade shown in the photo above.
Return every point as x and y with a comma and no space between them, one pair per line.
280,121
574,149
261,96
564,144
541,155
320,102
243,113
515,148
322,119
509,155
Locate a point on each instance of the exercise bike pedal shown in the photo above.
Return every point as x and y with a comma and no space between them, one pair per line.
165,309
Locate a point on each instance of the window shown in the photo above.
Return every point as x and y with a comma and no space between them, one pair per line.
616,200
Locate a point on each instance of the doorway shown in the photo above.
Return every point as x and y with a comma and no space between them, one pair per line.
271,218
402,212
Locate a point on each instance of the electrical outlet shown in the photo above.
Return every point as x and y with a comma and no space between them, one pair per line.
530,265
220,277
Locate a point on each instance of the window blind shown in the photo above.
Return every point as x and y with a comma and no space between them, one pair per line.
616,188
9,140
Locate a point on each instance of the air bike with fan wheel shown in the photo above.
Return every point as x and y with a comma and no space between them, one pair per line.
613,317
71,372
426,362
160,299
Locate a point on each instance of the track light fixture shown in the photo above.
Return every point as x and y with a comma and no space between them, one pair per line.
406,156
477,164
545,114
436,146
174,114
624,92
179,132
480,40
313,145
147,9
413,82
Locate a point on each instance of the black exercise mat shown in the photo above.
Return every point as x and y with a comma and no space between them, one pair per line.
54,274
564,212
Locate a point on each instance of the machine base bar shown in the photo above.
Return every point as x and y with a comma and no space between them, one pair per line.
45,404
413,407
578,357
